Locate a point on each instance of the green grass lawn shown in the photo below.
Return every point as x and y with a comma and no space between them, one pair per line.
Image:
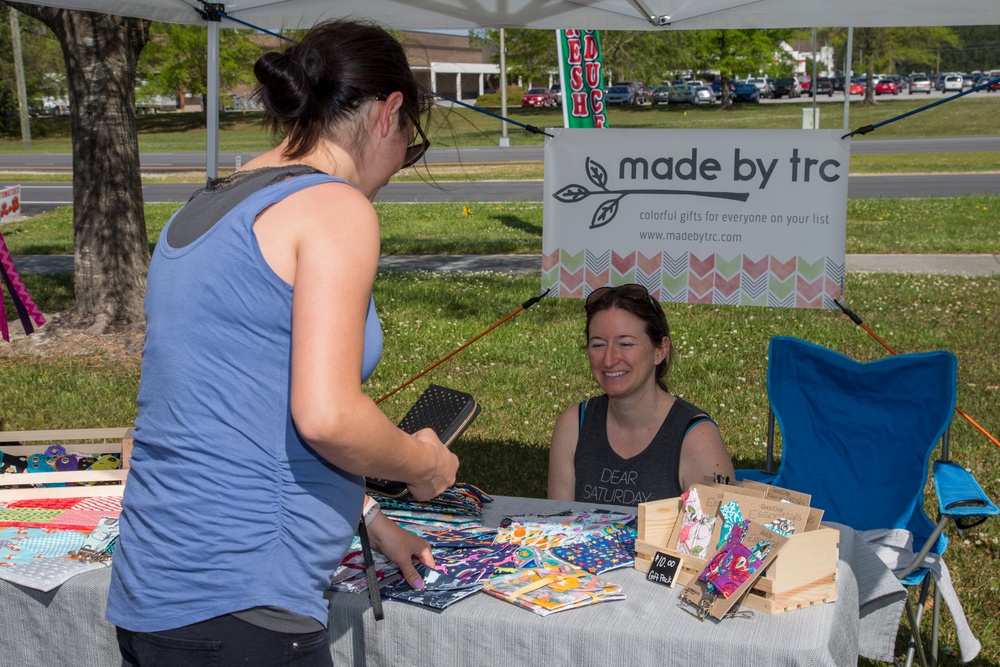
945,224
533,366
457,126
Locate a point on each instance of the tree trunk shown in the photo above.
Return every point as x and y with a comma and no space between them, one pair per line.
867,41
111,248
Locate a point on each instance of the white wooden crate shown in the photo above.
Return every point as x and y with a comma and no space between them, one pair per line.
94,441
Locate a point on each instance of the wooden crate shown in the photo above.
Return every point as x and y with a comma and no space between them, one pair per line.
804,573
84,441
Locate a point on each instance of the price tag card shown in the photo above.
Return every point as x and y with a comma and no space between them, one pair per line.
664,569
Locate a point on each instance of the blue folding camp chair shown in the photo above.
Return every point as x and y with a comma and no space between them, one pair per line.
858,437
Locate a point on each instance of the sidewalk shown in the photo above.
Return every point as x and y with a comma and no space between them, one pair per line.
975,265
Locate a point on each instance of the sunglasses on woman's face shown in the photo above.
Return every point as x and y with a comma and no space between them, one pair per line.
629,291
418,147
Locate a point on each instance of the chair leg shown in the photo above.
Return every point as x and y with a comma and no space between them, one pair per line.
936,624
915,616
915,643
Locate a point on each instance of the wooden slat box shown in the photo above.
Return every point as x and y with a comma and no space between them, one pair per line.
804,573
94,441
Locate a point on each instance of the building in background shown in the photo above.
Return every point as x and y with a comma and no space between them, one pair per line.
448,65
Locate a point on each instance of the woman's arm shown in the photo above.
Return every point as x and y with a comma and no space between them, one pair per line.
562,452
703,454
324,240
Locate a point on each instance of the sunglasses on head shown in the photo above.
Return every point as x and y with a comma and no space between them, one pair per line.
629,291
416,150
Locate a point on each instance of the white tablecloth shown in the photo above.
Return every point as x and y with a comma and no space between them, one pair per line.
67,627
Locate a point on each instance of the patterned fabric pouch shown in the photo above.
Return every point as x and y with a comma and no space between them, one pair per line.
471,537
545,592
471,566
439,592
596,555
696,527
350,577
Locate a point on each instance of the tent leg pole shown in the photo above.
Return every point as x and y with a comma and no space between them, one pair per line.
212,103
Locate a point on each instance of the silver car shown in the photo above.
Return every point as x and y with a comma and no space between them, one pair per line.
681,95
703,95
661,95
920,84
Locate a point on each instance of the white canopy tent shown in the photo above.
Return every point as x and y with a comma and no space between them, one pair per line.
598,14
541,14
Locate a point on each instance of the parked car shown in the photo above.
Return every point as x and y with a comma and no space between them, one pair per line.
637,88
952,83
703,95
538,97
746,92
621,95
994,75
857,87
787,87
805,84
824,86
556,91
661,95
886,87
920,84
717,88
763,86
681,95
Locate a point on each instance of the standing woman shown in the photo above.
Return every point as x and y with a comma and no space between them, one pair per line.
637,442
253,432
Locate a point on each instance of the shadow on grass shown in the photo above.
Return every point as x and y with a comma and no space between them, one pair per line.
52,293
503,468
752,462
518,223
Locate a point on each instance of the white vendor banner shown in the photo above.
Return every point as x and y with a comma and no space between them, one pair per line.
10,201
734,217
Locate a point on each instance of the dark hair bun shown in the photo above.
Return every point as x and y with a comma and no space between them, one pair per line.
322,81
284,86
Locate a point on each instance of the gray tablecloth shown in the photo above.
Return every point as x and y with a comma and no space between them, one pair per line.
67,627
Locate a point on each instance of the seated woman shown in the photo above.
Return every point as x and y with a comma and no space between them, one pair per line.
637,442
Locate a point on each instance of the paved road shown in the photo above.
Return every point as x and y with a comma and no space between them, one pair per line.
172,162
38,197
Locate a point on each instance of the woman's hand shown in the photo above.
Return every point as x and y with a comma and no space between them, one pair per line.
401,547
442,466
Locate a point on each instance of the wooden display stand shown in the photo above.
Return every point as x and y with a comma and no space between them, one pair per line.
95,441
804,574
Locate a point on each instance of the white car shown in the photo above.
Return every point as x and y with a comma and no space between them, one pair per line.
763,86
952,82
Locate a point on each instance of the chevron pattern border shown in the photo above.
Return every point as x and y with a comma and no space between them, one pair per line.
739,280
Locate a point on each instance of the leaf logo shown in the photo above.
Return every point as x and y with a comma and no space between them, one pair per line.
597,174
605,213
572,194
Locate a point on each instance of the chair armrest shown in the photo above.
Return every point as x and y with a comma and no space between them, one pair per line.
959,494
755,476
